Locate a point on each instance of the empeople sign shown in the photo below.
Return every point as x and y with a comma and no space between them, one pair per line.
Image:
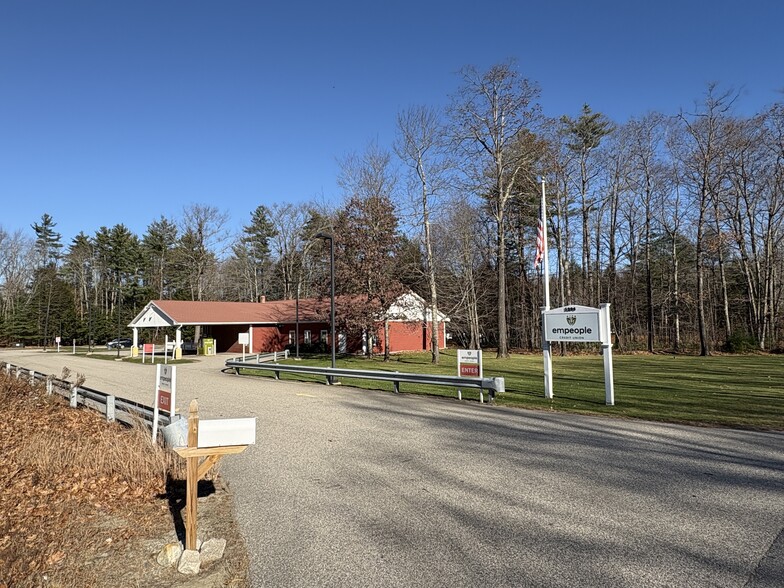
580,324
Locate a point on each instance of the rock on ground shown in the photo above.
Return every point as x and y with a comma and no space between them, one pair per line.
170,554
189,562
212,551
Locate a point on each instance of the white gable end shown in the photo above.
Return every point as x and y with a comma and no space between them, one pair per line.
411,307
151,317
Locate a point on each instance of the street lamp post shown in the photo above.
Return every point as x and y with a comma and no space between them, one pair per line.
296,318
119,313
327,237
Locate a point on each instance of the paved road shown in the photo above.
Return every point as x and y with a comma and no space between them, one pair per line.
357,488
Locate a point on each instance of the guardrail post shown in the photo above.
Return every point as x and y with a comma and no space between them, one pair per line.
481,396
49,385
459,394
397,386
8,368
500,385
74,398
32,377
110,409
18,372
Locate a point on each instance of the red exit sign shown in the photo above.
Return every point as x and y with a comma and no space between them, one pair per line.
164,401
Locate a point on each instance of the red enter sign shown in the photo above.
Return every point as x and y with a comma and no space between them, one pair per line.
469,370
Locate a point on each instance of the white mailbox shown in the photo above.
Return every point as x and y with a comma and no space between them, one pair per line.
223,432
213,432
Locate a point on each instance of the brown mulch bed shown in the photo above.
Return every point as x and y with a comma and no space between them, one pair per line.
84,502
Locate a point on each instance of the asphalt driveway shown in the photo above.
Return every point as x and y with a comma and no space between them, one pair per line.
354,488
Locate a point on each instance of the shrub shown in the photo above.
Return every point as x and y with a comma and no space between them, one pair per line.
740,342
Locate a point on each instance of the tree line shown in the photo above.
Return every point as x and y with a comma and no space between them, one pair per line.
675,219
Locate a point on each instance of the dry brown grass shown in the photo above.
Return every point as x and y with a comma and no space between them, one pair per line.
63,474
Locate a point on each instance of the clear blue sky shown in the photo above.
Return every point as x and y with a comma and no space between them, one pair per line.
120,111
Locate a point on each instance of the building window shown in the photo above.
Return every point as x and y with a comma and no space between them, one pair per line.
324,335
292,334
307,337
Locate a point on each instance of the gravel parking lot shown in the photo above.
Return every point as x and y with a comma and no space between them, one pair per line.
354,488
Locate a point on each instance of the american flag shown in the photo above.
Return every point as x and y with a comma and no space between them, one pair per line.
539,244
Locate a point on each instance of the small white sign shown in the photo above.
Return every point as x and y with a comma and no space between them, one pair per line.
469,363
580,324
244,339
165,394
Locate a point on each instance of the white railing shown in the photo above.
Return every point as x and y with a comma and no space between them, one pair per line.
255,358
114,408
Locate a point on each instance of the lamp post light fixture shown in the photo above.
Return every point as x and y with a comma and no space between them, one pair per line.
328,237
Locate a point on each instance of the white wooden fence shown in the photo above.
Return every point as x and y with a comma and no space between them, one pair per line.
114,408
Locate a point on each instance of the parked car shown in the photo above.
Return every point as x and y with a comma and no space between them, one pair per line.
121,343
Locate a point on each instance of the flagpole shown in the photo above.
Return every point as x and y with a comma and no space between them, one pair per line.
545,259
546,355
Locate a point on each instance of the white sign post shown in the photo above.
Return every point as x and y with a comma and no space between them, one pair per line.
57,340
244,339
609,386
165,394
581,324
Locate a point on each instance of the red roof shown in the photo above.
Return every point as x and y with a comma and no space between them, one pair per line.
186,312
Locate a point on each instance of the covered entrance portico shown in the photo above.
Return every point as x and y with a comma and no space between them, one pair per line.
154,318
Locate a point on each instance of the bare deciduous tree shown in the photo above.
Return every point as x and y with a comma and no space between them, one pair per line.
420,146
492,114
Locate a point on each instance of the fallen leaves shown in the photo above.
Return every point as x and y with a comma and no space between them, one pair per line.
59,468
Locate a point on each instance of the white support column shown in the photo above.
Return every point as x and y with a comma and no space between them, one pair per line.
178,344
135,346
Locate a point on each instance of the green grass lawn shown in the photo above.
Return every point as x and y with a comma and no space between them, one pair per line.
745,391
101,353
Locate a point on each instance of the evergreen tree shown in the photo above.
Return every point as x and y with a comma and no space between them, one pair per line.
157,249
47,242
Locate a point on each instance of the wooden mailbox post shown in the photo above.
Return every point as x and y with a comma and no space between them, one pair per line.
211,454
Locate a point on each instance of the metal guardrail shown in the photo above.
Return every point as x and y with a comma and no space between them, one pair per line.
492,385
273,356
115,409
